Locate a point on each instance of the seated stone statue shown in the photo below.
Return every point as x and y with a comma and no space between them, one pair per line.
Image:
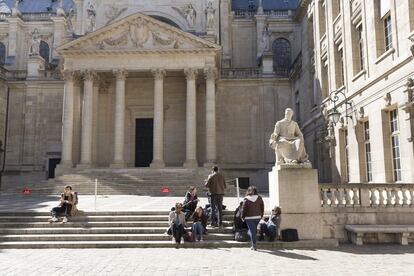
287,141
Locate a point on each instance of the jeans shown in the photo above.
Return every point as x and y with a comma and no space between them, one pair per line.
63,210
217,207
252,225
198,230
269,230
177,231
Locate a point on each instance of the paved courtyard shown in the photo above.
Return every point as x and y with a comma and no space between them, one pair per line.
345,260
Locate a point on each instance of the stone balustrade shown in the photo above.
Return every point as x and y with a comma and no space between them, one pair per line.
241,73
250,13
42,16
367,195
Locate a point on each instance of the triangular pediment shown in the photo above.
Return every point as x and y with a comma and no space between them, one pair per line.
137,33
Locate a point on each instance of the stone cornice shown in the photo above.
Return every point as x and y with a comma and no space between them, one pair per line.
137,52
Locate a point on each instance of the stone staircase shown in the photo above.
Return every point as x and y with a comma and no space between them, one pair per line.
135,181
138,229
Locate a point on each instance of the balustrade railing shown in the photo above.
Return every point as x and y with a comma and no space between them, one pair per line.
39,16
250,13
240,73
367,195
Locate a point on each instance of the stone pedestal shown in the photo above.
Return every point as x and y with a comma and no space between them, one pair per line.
35,66
295,189
267,63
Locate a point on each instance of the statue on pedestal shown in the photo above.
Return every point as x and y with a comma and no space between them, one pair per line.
210,13
35,43
287,141
91,18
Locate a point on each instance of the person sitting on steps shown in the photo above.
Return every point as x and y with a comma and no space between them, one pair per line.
199,224
271,227
190,202
67,206
177,224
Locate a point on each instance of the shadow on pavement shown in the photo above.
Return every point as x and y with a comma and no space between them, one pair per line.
286,254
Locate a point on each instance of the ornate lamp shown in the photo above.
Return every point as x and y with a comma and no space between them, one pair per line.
334,115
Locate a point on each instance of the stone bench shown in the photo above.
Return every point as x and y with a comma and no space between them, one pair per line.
357,231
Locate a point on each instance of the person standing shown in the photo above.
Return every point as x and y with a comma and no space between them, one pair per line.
252,213
216,184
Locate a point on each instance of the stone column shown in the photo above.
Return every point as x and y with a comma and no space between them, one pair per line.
158,160
191,119
210,76
119,161
67,133
87,120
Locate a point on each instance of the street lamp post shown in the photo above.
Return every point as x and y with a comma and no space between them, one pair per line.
334,115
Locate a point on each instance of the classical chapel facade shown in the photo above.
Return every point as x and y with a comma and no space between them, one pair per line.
189,83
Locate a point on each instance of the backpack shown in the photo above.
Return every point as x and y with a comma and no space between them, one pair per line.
289,235
241,235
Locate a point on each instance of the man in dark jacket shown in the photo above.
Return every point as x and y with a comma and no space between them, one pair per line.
216,185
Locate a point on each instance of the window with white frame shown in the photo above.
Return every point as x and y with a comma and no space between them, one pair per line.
367,147
395,145
361,48
387,32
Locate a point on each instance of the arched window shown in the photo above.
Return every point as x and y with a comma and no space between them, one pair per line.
44,50
2,54
282,56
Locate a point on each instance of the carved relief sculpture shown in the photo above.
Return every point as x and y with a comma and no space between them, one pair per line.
210,16
91,18
35,43
287,141
112,13
139,33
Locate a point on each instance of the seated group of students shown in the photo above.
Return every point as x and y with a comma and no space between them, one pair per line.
248,218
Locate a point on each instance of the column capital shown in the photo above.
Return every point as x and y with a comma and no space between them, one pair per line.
89,75
159,73
120,74
210,73
191,73
68,75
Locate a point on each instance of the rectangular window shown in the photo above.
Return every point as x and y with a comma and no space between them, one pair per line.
367,144
388,32
395,145
361,48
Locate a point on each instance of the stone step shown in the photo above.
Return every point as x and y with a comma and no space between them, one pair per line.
91,224
104,237
103,213
167,244
26,219
97,230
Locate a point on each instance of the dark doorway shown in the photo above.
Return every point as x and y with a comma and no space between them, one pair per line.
143,142
53,162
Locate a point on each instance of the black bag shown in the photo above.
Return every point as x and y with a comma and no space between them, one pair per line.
289,235
241,235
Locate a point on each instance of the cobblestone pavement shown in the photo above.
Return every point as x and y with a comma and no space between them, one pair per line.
345,260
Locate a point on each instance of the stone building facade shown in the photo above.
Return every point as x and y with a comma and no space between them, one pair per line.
190,83
195,77
362,67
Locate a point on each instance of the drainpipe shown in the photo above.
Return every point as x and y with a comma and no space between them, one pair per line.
6,126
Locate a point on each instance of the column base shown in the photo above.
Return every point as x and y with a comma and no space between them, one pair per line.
157,164
210,163
84,166
63,167
189,164
118,165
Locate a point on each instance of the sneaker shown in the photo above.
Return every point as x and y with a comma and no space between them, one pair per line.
182,240
54,219
173,240
201,240
64,220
